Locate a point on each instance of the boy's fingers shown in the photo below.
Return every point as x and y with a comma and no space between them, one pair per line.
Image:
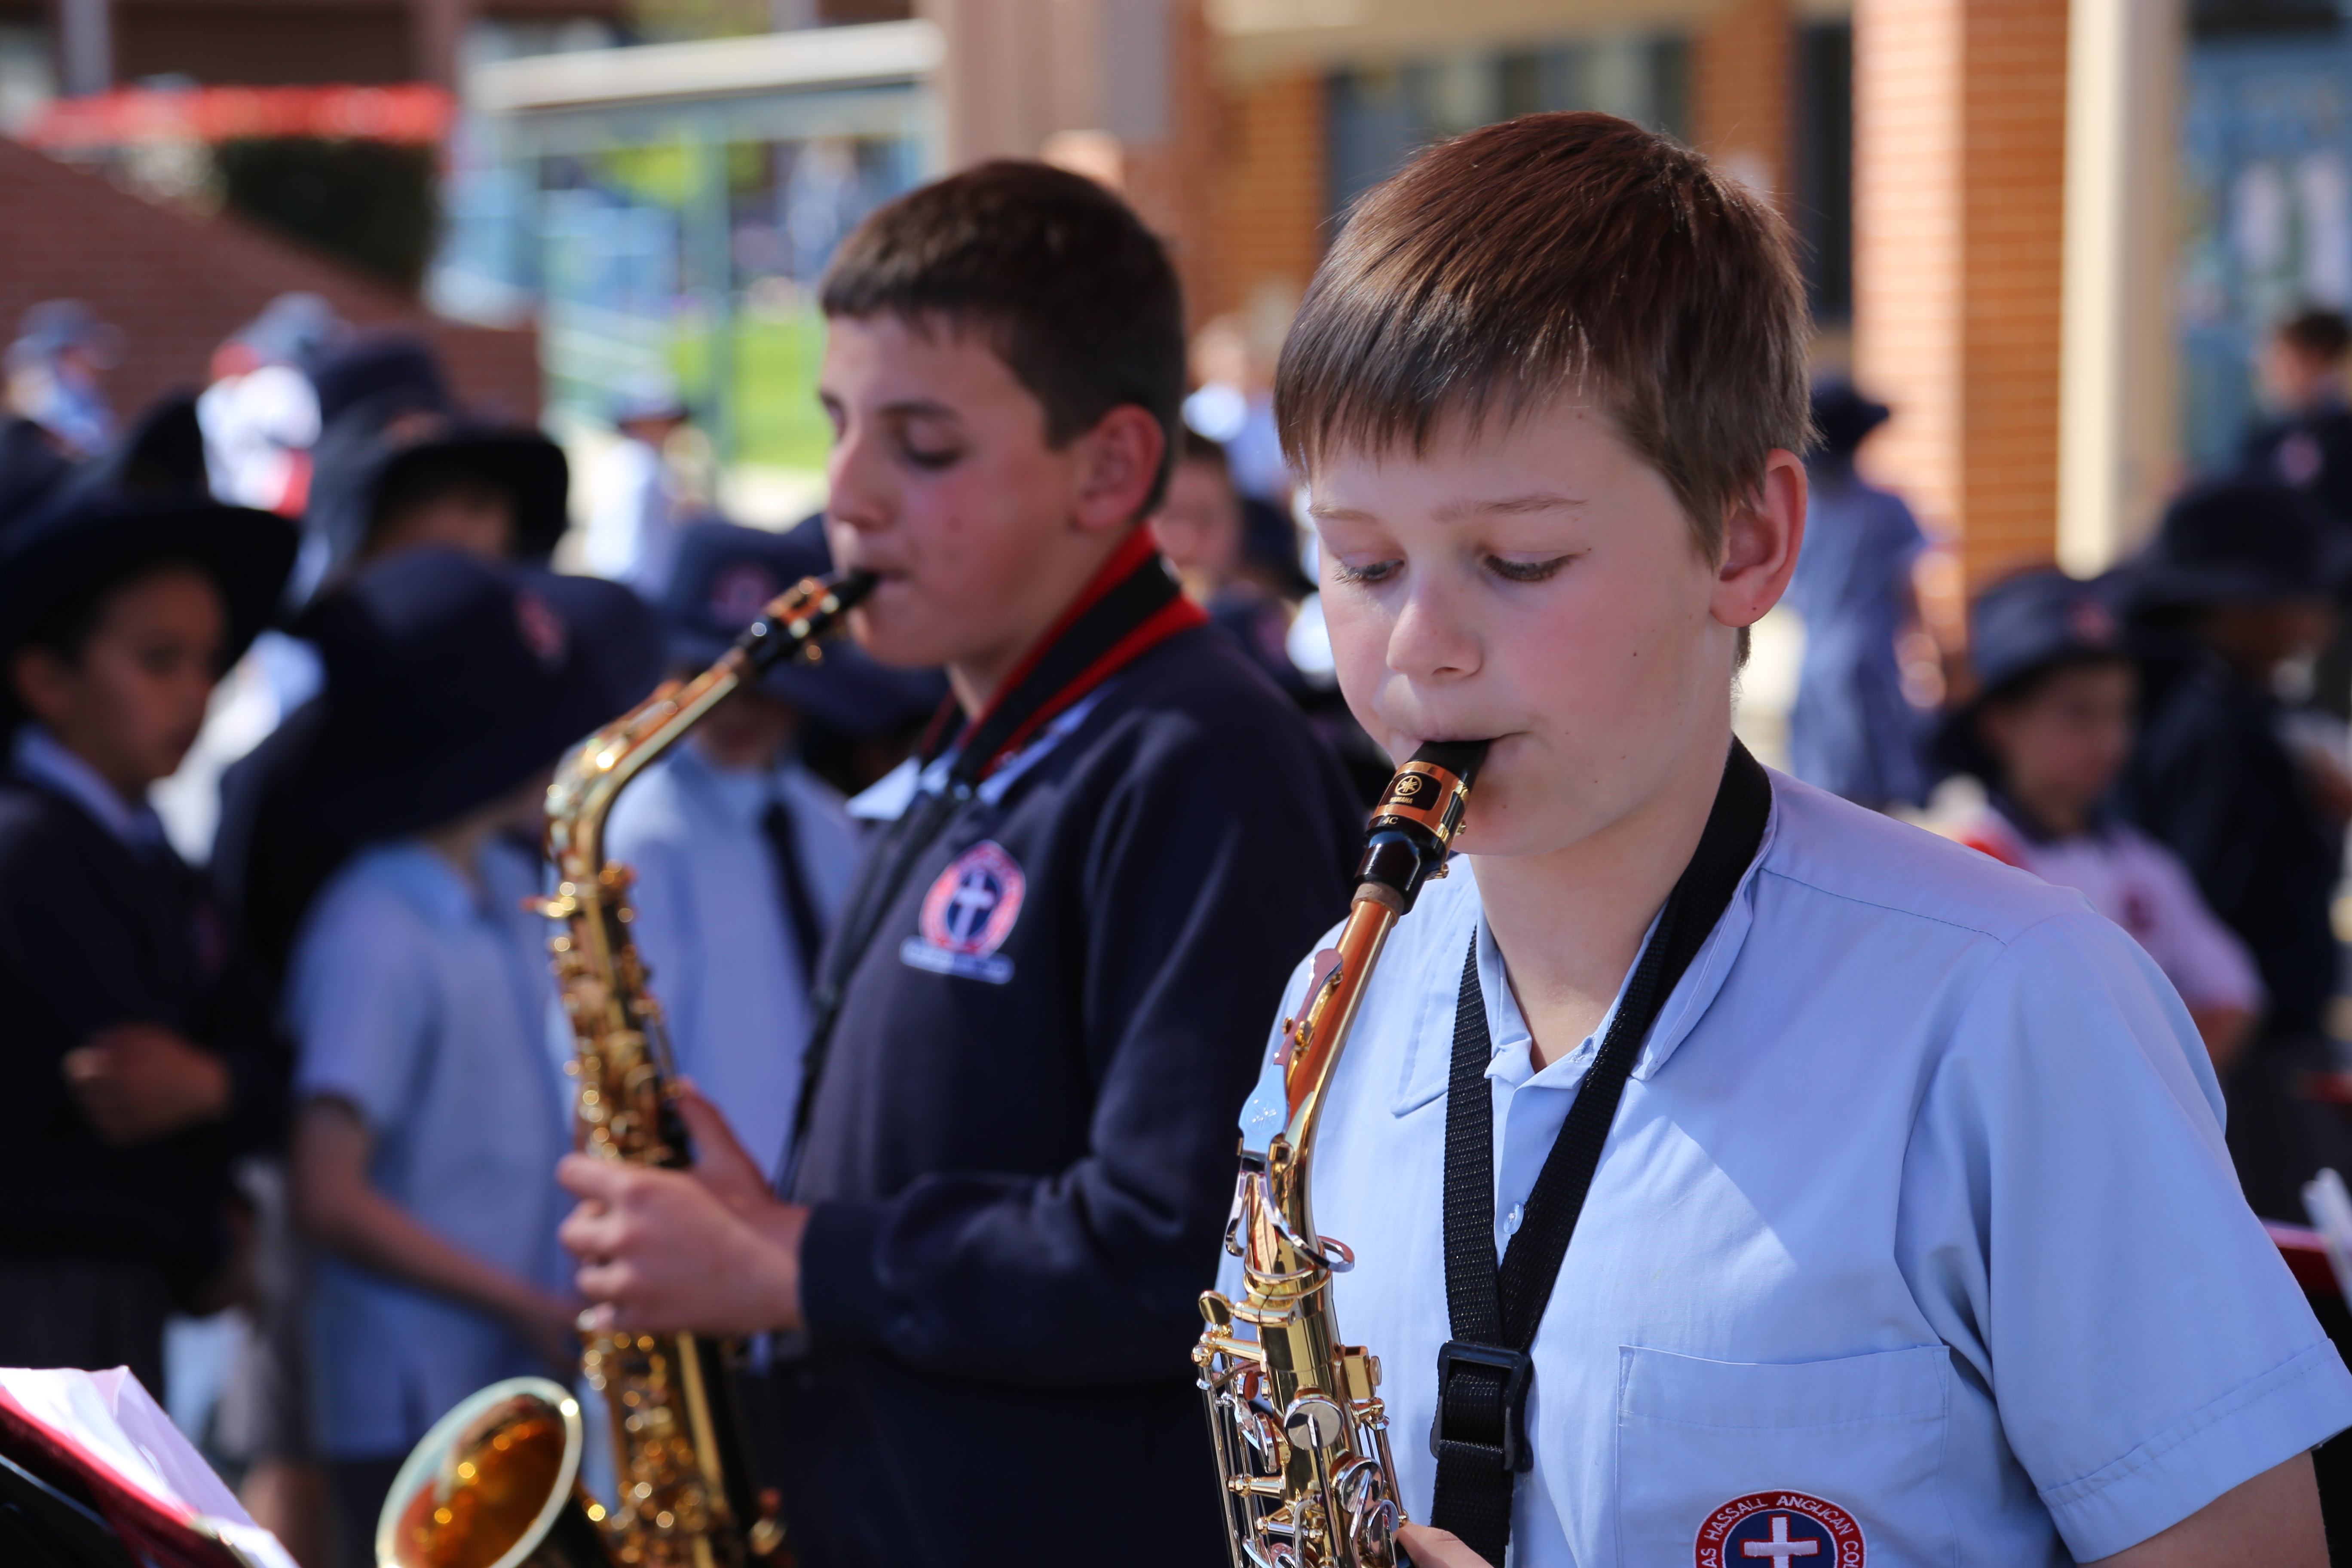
707,1126
1437,1548
585,1176
605,1284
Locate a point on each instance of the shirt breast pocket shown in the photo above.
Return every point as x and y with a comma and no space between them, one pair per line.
1825,1464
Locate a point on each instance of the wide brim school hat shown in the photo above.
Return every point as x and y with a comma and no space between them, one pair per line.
450,680
67,527
368,445
2017,628
621,632
724,574
1844,417
2241,541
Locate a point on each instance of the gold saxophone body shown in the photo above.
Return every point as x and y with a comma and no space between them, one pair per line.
496,1483
1295,1413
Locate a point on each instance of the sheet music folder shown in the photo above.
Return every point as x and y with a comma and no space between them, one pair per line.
94,1475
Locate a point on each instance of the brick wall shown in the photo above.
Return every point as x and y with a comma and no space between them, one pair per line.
1740,76
1959,170
177,286
1172,181
1272,192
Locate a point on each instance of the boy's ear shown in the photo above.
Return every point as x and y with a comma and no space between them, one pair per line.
1760,538
37,677
1119,468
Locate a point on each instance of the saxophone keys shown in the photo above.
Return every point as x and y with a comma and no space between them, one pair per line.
1313,1421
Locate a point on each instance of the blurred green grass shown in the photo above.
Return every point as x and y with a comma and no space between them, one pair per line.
777,422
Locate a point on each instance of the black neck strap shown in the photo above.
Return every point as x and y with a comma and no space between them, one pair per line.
1479,1436
1131,606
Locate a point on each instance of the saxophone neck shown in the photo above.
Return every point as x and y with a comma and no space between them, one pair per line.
592,776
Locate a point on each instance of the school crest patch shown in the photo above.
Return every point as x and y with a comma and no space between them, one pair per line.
966,916
1783,1530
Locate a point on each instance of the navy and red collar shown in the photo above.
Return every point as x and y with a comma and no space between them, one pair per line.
1129,606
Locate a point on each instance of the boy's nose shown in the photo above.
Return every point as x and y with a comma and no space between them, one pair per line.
1432,638
858,489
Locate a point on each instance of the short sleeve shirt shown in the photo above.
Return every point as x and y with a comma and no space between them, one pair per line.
427,1008
1916,1218
712,927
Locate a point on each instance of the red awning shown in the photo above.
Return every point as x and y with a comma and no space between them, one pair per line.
411,112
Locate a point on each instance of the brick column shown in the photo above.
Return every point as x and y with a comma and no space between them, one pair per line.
1273,193
1959,209
438,31
1740,80
1170,178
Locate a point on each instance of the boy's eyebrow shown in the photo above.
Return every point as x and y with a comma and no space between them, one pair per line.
1508,506
1455,511
905,408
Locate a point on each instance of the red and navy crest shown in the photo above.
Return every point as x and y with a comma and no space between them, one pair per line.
967,914
740,591
1786,1530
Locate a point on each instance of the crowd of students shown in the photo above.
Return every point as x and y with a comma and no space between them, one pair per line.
969,936
2168,739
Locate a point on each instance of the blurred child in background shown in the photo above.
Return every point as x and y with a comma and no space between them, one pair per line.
2049,733
138,1043
1851,729
430,1107
2238,586
2306,441
635,508
57,370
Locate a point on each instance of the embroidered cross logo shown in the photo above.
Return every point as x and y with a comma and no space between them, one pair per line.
1780,1547
973,897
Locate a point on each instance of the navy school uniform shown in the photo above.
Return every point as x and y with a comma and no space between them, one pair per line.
101,925
1019,1146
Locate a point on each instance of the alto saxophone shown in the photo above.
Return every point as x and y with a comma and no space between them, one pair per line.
496,1483
1301,1436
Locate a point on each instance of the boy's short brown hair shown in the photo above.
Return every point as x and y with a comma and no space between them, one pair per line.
1077,298
1552,253
2323,334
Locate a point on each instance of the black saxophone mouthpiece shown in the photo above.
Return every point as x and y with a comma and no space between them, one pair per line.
1460,758
1405,843
796,619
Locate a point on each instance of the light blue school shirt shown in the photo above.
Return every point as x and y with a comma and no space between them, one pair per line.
1917,1204
710,924
424,1006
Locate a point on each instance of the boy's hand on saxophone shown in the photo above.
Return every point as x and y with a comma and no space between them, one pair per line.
662,1252
1437,1548
720,1161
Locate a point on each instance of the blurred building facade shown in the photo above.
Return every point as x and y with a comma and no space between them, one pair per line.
2048,231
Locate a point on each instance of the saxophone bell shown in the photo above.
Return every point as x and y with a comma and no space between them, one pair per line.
495,1484
1295,1415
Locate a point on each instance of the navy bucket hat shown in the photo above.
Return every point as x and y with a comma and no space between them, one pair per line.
385,410
67,531
1844,417
2244,541
450,680
2020,627
725,575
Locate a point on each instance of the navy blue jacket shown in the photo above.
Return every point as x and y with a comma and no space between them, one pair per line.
1020,1153
92,935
